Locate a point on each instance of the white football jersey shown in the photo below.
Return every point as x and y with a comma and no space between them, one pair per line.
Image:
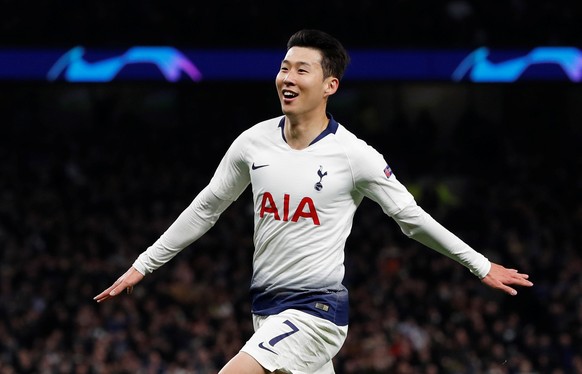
304,204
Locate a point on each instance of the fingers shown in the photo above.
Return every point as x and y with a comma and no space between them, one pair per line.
523,281
518,279
502,286
513,273
111,291
125,282
502,278
105,294
508,290
495,283
119,289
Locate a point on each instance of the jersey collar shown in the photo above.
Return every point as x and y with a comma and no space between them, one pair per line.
331,128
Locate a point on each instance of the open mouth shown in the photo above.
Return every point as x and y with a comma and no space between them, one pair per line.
289,94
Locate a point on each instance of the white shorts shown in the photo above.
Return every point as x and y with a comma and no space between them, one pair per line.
295,342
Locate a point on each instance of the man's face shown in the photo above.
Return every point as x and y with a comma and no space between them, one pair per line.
300,83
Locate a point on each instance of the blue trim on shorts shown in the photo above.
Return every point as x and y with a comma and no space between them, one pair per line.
330,305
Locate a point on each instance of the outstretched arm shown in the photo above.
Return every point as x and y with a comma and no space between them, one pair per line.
229,181
375,180
194,221
419,225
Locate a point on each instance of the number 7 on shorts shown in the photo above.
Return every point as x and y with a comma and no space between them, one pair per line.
280,337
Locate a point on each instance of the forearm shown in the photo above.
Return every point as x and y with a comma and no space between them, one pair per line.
420,226
192,223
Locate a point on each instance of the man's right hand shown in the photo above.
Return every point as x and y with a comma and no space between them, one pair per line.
129,279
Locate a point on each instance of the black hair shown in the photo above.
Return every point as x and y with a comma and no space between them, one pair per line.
335,58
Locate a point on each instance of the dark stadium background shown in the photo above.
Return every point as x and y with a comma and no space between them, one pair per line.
91,174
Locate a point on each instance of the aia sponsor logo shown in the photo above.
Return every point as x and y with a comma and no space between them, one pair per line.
305,209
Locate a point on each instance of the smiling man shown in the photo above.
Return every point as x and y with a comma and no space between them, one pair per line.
304,84
308,174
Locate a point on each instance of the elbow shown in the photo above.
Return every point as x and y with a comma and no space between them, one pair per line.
411,220
408,230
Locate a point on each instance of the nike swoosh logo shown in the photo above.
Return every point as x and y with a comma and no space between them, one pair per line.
255,167
262,346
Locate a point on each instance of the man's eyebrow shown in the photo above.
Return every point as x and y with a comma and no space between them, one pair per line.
296,63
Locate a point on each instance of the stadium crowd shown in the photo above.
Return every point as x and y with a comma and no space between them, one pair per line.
91,175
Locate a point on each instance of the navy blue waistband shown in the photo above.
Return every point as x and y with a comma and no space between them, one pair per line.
330,305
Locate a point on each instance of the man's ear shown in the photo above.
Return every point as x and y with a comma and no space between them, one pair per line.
332,85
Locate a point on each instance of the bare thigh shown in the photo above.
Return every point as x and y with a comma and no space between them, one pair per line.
243,363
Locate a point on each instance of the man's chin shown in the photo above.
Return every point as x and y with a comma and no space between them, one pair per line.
287,111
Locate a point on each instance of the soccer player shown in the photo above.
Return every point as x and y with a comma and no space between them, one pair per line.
308,175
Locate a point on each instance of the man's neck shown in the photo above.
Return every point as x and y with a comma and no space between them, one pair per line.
301,131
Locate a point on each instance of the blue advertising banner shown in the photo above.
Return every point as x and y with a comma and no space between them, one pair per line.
165,63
